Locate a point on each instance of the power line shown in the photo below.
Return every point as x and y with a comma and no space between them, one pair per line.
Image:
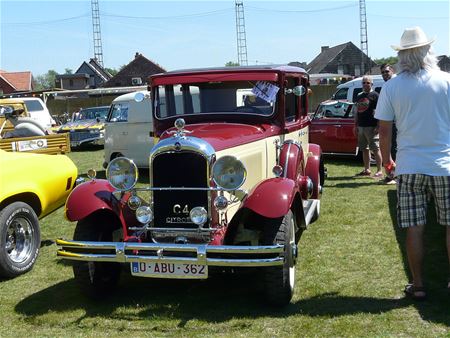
30,23
302,11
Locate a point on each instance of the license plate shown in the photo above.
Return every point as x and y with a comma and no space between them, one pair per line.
169,270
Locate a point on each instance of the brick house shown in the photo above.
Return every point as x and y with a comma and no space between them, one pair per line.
345,59
89,75
15,82
135,73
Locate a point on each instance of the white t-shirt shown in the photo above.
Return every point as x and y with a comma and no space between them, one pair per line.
420,105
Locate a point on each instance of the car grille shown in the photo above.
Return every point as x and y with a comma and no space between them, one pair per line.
83,135
178,169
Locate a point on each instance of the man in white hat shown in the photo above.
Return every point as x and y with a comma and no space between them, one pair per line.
418,99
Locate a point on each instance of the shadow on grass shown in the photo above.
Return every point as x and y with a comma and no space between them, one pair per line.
215,300
436,308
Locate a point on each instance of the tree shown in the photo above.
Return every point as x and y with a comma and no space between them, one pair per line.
392,60
111,71
231,64
68,71
45,81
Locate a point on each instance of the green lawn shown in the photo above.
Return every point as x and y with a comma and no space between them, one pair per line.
350,276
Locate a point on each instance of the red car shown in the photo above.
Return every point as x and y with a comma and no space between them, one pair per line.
233,183
333,128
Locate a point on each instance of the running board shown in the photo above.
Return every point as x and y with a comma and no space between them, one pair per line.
311,209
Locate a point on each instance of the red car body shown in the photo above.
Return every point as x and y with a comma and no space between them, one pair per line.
333,128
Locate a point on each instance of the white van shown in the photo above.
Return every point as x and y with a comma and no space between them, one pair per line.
129,129
349,90
38,111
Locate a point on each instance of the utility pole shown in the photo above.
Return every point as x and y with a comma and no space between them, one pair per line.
363,32
98,50
240,33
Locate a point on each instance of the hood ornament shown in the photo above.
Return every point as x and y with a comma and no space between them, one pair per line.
179,125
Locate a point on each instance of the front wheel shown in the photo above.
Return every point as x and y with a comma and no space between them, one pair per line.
279,281
95,279
20,239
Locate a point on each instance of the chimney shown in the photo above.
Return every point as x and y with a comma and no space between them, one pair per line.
136,55
324,48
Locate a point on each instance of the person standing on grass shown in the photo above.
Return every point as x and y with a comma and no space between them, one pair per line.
418,99
387,72
367,126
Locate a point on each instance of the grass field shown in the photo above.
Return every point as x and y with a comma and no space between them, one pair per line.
350,277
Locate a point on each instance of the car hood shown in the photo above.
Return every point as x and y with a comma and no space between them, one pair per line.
226,135
83,124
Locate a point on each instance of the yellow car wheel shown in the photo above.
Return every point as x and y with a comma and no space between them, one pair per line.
20,239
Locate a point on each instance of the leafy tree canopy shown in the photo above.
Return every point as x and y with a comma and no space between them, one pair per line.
392,60
231,64
46,81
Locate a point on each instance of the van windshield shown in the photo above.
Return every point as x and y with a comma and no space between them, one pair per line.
228,97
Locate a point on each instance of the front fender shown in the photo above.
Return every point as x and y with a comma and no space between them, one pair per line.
313,168
89,197
271,198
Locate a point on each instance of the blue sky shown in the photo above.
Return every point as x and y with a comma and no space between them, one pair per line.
42,35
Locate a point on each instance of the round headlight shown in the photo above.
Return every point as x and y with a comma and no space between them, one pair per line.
122,173
144,214
229,173
198,215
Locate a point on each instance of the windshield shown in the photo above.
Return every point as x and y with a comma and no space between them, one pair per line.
92,113
233,97
335,109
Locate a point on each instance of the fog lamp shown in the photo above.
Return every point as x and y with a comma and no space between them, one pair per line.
198,215
134,202
144,214
220,202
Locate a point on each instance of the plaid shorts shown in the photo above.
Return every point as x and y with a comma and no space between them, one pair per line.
414,191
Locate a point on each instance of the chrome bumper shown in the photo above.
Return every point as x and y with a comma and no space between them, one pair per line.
209,255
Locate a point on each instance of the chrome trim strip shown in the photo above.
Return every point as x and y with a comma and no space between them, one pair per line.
201,252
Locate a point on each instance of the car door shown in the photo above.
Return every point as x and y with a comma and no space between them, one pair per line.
332,127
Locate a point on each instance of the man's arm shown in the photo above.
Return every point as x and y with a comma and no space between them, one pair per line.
385,131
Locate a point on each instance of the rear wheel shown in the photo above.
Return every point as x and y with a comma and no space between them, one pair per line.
279,281
19,239
95,279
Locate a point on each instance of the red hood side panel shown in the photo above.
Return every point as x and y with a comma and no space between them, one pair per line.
227,135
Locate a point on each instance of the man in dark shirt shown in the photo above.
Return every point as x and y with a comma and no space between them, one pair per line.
367,127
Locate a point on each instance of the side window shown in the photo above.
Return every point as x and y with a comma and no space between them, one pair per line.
118,113
33,105
290,102
341,94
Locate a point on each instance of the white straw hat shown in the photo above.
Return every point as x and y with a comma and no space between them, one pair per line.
412,38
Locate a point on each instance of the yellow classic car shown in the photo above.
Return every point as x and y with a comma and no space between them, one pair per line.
22,132
31,186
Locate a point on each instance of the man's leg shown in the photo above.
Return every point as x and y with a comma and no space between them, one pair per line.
366,159
378,160
448,254
414,251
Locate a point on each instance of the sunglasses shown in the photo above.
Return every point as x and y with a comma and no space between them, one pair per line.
367,82
385,72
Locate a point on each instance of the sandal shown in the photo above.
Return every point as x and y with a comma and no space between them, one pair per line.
415,292
365,172
378,174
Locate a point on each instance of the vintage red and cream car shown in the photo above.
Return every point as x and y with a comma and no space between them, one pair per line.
233,183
